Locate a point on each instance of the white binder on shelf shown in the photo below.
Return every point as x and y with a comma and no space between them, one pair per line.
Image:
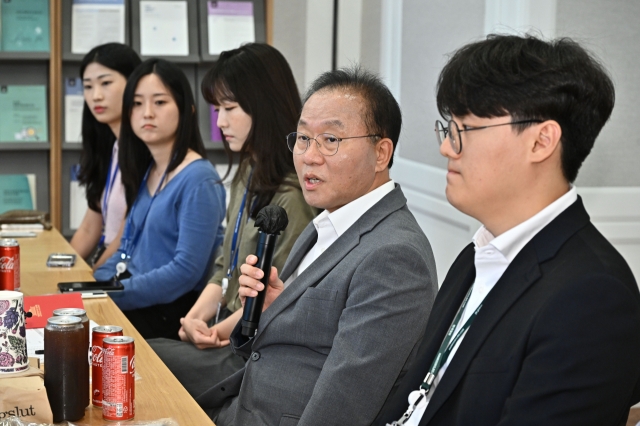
96,22
77,199
164,28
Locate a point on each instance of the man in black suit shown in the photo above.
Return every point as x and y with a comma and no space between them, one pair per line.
538,321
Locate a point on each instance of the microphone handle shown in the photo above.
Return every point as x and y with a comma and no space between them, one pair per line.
253,305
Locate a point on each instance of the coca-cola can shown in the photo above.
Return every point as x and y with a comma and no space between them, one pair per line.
9,264
97,354
118,378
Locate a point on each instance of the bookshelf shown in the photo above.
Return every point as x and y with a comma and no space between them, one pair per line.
51,160
27,157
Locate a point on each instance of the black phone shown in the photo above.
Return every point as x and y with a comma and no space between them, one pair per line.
88,286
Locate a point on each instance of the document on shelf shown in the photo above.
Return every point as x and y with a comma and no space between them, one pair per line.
77,199
73,105
216,133
24,114
95,22
25,25
230,24
164,28
17,192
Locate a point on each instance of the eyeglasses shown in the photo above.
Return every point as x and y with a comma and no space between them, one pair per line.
327,143
455,134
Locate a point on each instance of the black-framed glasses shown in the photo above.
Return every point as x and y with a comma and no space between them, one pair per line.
327,143
455,134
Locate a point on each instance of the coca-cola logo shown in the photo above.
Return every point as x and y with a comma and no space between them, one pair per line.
6,263
132,365
97,356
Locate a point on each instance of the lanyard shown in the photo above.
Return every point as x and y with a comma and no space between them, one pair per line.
233,262
129,243
443,354
108,187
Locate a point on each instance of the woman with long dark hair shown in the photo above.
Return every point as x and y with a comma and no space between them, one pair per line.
104,72
258,104
176,202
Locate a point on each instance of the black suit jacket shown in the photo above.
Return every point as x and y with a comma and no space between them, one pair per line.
557,341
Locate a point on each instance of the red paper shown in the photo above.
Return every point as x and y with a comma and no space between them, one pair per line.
42,307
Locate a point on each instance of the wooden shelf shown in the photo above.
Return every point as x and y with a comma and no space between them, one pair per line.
24,146
24,56
72,146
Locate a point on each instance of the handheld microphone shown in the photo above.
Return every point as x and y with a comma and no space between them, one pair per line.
271,220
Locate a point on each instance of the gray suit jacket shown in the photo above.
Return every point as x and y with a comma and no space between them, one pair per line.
333,345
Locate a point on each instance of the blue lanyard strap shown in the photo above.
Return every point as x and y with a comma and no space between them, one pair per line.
234,241
108,187
129,244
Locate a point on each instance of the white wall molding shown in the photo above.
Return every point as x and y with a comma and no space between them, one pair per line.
319,35
391,45
615,211
520,16
349,32
448,229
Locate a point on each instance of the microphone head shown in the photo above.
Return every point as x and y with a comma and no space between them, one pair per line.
272,219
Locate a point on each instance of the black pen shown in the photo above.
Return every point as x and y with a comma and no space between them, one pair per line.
40,352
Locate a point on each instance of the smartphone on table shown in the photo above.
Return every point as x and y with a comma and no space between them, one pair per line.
90,286
61,260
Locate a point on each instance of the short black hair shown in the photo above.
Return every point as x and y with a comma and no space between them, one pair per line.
531,79
134,157
382,114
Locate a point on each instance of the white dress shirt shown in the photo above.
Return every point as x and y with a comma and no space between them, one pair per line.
330,226
492,257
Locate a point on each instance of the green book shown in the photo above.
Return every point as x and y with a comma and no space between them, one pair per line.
23,114
25,25
15,193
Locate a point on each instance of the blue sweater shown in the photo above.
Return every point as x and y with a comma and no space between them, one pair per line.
175,252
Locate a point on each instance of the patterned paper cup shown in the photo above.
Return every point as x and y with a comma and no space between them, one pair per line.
13,340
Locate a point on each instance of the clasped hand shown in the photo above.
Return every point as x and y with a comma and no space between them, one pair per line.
197,332
250,283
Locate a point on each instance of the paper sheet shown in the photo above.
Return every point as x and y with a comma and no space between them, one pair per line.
95,22
73,105
24,114
25,26
16,193
230,24
164,28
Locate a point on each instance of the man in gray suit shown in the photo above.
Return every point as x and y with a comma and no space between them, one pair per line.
344,318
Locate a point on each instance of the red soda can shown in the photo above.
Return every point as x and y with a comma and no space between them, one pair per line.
97,355
9,264
118,378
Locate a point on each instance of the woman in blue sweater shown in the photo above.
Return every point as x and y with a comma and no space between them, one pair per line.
175,201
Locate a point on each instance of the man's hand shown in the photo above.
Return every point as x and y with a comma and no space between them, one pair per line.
250,283
197,332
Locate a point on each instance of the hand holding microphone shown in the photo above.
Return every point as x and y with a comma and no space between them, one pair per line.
271,220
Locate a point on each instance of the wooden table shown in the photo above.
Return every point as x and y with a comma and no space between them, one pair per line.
158,393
